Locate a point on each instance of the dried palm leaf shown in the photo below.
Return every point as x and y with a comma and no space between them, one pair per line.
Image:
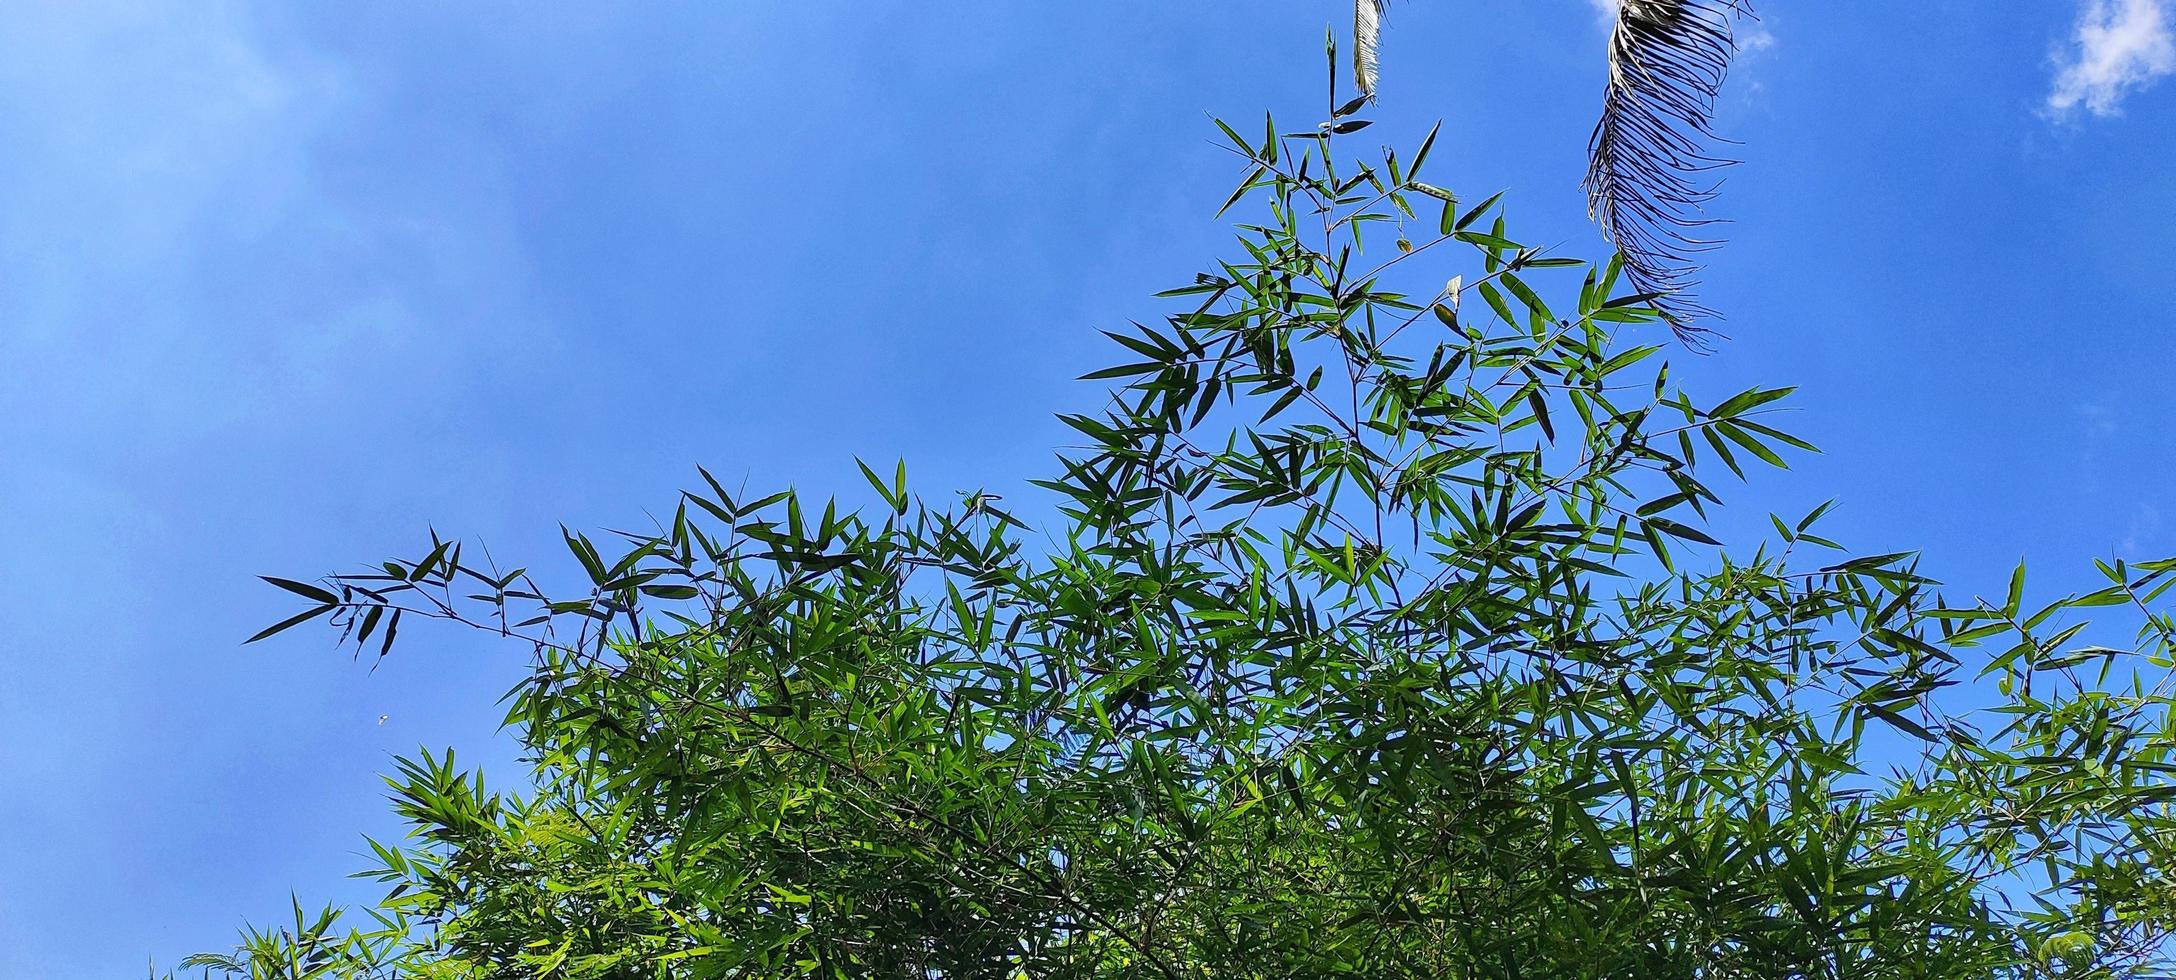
1367,34
1648,166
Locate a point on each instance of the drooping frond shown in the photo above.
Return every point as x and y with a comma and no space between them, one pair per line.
1367,34
1647,164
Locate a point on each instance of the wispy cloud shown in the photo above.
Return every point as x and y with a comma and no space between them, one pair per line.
2144,531
209,218
1755,38
2099,419
2118,47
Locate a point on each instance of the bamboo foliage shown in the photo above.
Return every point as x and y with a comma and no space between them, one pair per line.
1381,624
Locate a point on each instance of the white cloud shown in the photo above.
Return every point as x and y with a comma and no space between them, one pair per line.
1754,39
2120,46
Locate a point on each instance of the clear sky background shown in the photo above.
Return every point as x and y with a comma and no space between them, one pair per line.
281,286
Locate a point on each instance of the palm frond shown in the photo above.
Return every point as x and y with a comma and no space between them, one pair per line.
1367,35
1647,164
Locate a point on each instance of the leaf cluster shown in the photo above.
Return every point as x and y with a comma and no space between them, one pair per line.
1377,629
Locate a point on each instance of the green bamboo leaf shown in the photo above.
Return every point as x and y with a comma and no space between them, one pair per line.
303,589
295,620
1676,530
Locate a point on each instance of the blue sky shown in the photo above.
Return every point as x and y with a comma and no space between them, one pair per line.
283,286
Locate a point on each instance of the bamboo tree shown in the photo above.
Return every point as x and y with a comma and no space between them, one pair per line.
1375,628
